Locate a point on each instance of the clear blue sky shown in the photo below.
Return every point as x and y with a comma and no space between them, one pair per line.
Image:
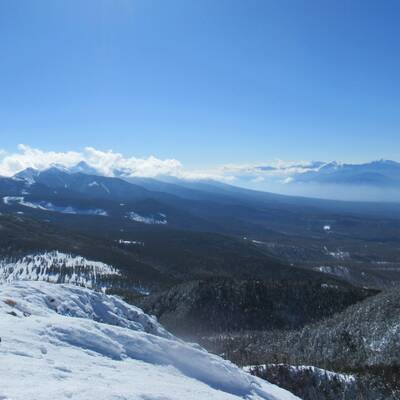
206,81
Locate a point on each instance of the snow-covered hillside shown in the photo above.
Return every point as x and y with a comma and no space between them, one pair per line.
56,267
66,342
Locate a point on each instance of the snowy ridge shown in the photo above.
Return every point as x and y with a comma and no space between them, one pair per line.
317,372
56,267
68,342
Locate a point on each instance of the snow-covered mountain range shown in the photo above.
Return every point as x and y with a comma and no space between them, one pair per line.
376,173
372,181
65,342
376,180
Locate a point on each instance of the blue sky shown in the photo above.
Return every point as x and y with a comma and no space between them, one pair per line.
206,82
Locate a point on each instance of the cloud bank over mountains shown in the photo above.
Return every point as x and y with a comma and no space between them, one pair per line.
377,180
110,163
105,162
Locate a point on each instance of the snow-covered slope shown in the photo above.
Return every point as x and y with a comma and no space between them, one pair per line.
66,342
57,267
48,206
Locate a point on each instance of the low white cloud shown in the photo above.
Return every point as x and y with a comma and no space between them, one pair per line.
106,162
110,163
27,157
274,171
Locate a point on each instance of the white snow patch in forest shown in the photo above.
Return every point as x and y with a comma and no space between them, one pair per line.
337,270
257,242
131,242
157,219
339,254
10,200
329,286
65,342
93,184
48,206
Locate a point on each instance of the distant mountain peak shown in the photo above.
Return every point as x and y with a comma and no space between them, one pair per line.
84,168
55,169
329,165
29,175
57,166
383,161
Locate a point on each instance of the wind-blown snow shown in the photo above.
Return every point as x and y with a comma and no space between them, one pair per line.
55,267
65,342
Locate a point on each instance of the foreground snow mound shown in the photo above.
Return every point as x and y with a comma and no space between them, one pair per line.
66,342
